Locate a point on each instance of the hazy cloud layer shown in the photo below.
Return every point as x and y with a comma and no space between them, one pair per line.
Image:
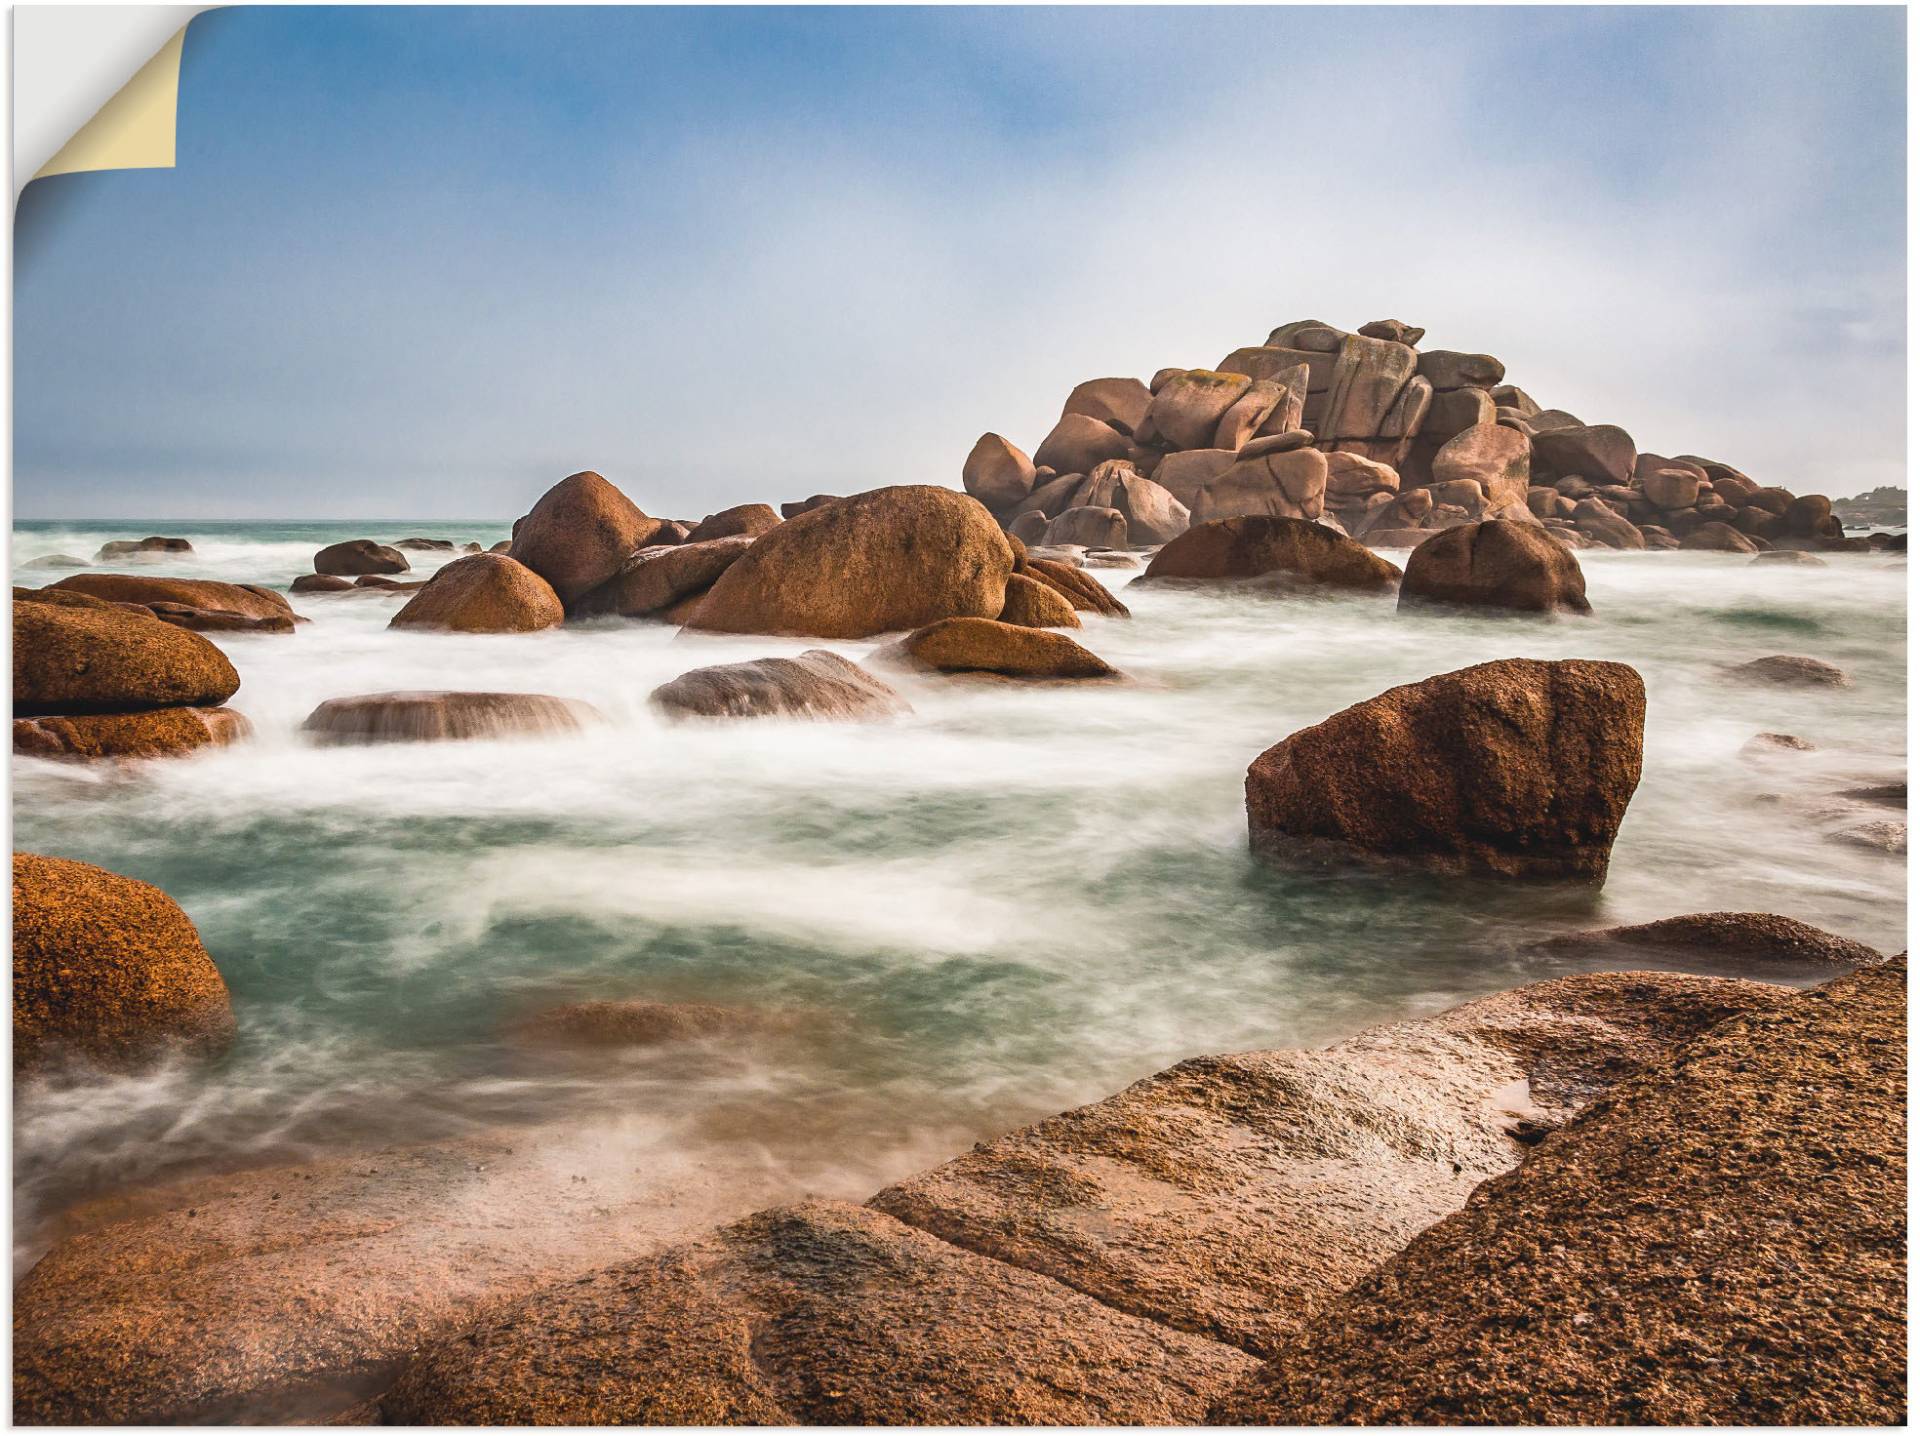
423,263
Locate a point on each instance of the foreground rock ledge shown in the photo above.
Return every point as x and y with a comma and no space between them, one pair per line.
1721,1240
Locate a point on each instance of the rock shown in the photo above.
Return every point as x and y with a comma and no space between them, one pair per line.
1494,457
1351,477
1506,396
1029,526
483,593
1807,515
1879,837
387,585
1517,769
1283,442
1657,537
1247,414
1455,410
654,579
1598,521
1093,527
1233,1196
1671,489
980,645
1119,403
1152,514
1368,377
879,562
425,545
996,473
817,684
321,583
434,717
1285,485
55,560
1546,419
1448,369
818,1314
580,533
751,520
1055,496
1600,453
1078,445
800,506
136,548
610,1023
204,595
1081,589
1186,473
357,556
1762,745
1891,795
1742,939
1310,334
1187,410
1495,565
1277,551
1793,671
107,969
77,654
1719,1241
1033,603
1392,329
156,733
1718,538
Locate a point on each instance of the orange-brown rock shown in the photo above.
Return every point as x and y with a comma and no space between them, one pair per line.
1517,768
444,717
1080,588
247,600
817,684
107,969
882,561
156,733
1033,603
1278,551
483,593
656,578
751,520
982,645
78,654
1496,564
1748,941
997,473
359,556
579,534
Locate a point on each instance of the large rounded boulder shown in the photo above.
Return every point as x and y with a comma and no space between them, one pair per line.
980,645
997,473
202,594
1496,564
882,561
78,654
1274,551
434,717
358,556
1517,769
751,520
656,578
817,684
483,593
107,969
580,533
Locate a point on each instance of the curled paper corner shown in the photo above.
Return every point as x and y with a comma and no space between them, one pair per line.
135,129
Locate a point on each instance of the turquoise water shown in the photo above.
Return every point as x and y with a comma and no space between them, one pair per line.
1015,900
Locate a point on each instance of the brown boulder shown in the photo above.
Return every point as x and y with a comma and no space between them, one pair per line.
604,1022
1793,671
1187,409
443,717
749,519
654,579
321,583
1089,527
1450,369
1279,551
156,733
1078,445
1284,485
1034,603
1353,476
1368,378
997,473
108,969
1454,411
1671,488
1394,329
1186,473
1790,557
135,548
1490,455
579,533
246,600
1248,414
1120,403
1599,453
817,684
982,645
1716,537
1807,515
1598,520
1517,768
1740,939
483,593
1080,588
797,507
1495,564
878,562
1153,514
1029,526
78,654
357,556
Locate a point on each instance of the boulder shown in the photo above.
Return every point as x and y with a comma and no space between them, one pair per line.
424,545
1118,403
1743,940
1719,1241
1078,445
1352,476
1091,527
654,579
996,473
1717,538
1545,419
55,560
136,548
1280,552
1793,671
1029,526
1762,746
751,520
1515,769
430,717
244,600
1671,488
1807,515
980,645
1284,485
1055,496
1247,415
1455,410
1186,473
1449,369
1034,603
579,534
77,654
1368,377
817,684
1285,441
1495,564
1392,329
1790,557
155,733
1496,458
1153,515
1507,396
882,561
321,583
1600,453
108,970
388,585
1311,334
483,593
798,507
357,556
1080,588
1187,410
1597,520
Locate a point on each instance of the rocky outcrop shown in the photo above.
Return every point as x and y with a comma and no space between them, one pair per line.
1288,483
156,733
358,556
580,533
1277,552
1497,565
74,654
979,645
655,579
194,603
107,970
817,684
879,562
1079,444
1748,941
1516,769
483,593
1718,1241
444,717
750,520
1034,603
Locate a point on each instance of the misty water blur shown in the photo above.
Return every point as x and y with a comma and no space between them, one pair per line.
1017,899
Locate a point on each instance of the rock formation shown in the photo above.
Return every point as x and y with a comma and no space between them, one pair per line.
817,684
980,645
483,593
444,717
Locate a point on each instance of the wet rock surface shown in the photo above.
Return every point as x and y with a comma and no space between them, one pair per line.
1749,941
444,717
817,684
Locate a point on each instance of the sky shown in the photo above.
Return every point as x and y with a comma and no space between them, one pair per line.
424,262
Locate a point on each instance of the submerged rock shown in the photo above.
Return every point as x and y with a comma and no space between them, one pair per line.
155,733
817,684
1733,937
579,534
73,653
107,969
441,717
321,583
1793,671
358,556
1495,564
1516,768
1080,588
138,548
1285,551
1719,1242
655,579
982,645
483,593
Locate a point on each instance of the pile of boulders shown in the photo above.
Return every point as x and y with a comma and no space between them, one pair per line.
1388,443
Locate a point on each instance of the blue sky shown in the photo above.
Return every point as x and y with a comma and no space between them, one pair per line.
421,263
